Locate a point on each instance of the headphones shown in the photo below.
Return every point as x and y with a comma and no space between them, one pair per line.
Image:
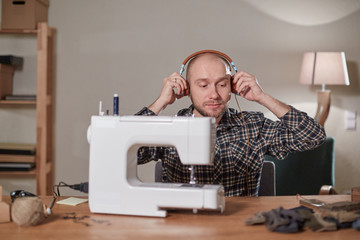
220,54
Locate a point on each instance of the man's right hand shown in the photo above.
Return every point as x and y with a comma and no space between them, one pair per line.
168,95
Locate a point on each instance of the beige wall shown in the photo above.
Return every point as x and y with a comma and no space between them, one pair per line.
127,47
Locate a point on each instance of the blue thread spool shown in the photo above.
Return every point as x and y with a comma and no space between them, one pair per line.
116,104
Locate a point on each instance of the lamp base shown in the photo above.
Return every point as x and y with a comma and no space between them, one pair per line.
323,107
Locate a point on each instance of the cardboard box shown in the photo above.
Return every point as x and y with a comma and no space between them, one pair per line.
24,14
355,194
6,80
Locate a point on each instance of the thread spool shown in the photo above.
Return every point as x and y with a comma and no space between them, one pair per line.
28,211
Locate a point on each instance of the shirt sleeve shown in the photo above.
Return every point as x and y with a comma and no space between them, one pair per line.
147,154
145,112
295,131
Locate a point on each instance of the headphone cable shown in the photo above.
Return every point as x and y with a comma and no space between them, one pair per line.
247,147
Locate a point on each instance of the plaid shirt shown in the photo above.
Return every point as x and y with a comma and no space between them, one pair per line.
240,176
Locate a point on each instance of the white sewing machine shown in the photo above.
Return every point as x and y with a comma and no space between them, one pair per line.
113,183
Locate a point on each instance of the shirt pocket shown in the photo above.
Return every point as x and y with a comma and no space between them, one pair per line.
246,162
238,156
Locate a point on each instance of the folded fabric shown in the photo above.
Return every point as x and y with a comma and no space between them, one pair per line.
294,220
344,205
316,223
310,220
341,216
339,224
281,220
258,218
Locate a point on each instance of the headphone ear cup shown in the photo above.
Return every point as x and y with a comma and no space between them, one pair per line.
187,92
233,90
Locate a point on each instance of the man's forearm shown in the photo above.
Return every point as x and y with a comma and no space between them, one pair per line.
157,106
275,106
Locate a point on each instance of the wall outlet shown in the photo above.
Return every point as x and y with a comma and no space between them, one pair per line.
350,120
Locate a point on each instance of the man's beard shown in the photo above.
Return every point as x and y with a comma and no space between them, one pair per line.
204,113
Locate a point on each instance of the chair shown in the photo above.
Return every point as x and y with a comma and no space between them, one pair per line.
305,172
267,181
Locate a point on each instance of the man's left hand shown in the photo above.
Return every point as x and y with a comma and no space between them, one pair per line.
246,85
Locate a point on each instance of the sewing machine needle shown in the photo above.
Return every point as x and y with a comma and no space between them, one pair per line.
192,175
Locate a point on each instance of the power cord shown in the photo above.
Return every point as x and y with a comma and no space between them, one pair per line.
82,187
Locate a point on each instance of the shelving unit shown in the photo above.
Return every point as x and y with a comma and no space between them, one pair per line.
44,105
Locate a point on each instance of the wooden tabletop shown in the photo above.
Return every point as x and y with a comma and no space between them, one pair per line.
68,222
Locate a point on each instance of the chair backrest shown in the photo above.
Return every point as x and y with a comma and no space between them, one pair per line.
305,172
267,181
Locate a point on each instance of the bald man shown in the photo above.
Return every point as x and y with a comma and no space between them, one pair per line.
243,138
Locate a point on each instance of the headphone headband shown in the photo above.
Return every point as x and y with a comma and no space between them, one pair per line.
207,51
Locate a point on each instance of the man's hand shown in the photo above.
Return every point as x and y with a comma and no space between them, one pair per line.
168,95
247,86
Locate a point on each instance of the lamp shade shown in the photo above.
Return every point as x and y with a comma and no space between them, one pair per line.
319,68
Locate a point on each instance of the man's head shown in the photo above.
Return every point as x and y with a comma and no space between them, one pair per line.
209,78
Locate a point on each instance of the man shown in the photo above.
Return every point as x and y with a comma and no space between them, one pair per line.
243,138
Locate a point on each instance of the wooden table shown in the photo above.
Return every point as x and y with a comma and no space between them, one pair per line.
77,222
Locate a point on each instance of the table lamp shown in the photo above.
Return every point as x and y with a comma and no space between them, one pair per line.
321,68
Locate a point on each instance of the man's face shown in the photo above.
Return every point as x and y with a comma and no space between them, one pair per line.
210,86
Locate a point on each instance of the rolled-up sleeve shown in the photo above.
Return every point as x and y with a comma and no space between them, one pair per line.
295,131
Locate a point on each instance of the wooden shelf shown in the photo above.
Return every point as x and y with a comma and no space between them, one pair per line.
32,172
17,158
17,102
44,108
19,31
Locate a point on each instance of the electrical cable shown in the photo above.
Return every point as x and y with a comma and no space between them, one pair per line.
82,187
